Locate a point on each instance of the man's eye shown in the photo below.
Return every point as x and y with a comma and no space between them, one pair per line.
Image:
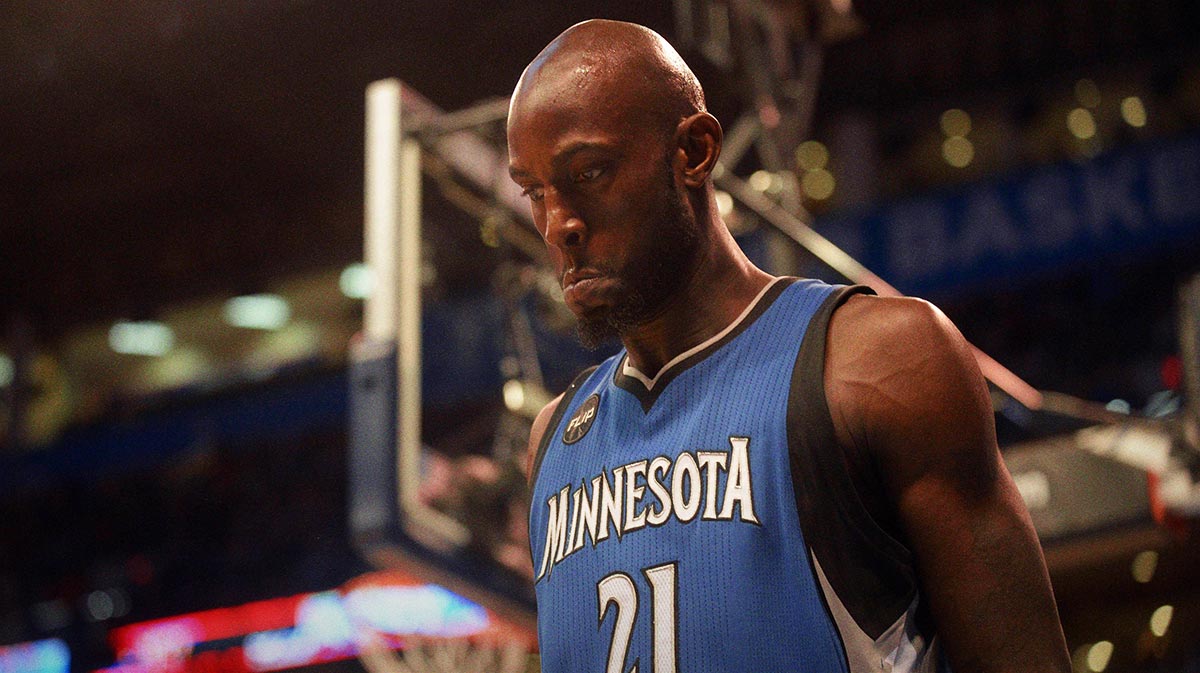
589,174
534,193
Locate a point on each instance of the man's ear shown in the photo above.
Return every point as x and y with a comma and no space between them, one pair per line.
699,140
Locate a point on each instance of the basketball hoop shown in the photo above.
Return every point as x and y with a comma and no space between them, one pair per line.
405,625
447,655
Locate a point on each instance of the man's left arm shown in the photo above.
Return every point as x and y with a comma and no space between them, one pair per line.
903,386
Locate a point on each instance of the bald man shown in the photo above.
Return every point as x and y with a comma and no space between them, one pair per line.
774,474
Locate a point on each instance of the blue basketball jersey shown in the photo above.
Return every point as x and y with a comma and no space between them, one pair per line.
675,519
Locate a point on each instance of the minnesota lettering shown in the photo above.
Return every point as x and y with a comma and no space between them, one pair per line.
683,488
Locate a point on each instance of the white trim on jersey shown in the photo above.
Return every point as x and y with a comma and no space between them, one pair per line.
900,649
629,370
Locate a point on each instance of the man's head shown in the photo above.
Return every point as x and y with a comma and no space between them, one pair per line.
608,136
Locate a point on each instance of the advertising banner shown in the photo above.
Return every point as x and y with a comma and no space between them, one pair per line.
1131,200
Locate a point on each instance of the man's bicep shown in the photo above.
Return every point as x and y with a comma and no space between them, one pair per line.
984,577
536,433
928,413
928,421
977,554
919,402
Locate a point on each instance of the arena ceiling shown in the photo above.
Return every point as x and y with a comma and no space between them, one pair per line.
156,151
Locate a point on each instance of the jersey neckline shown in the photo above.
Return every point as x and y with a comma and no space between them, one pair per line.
647,389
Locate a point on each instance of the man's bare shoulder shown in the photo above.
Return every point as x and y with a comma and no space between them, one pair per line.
868,320
893,363
876,336
537,431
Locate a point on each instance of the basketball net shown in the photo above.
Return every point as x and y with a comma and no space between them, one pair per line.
444,655
386,642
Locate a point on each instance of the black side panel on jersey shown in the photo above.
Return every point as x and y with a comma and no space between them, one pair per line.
867,567
556,418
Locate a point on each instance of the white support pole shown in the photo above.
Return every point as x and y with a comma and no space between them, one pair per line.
392,313
408,333
381,209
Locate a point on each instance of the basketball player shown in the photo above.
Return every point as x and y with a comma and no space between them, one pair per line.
774,474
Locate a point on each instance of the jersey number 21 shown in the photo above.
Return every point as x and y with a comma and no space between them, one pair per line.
618,590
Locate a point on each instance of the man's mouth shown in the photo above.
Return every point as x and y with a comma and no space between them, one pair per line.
580,288
576,276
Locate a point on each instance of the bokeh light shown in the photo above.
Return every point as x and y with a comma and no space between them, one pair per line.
1099,655
955,122
958,151
812,155
1133,111
1081,123
818,184
1144,565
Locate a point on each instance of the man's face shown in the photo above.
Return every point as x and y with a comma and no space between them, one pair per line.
605,198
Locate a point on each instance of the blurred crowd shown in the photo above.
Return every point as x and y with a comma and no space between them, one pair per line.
218,526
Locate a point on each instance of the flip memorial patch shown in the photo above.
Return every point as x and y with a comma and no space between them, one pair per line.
581,422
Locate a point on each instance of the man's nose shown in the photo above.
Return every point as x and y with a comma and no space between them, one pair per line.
564,226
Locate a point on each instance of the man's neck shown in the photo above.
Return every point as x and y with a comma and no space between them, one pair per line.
722,285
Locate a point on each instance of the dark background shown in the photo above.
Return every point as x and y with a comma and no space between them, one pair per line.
157,153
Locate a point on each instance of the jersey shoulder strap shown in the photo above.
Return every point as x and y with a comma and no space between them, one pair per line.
555,419
869,570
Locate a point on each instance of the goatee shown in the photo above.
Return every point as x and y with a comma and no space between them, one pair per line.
650,279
